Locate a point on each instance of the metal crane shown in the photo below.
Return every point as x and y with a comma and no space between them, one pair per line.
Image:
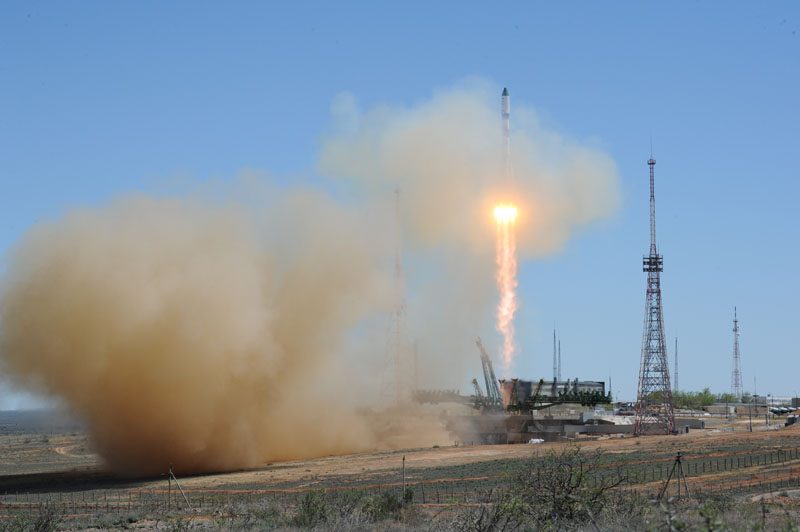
480,399
492,390
521,405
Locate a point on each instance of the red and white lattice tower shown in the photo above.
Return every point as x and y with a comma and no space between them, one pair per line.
736,374
654,410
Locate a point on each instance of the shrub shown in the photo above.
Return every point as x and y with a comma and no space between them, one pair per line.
506,513
47,520
381,507
312,511
556,488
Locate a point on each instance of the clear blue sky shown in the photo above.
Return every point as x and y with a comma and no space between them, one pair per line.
101,98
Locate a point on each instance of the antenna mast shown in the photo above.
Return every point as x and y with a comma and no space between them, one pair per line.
654,409
555,358
736,375
399,363
675,388
559,359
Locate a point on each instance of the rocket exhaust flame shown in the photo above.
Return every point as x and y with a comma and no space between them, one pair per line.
506,277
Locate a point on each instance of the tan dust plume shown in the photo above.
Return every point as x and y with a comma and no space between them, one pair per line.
192,333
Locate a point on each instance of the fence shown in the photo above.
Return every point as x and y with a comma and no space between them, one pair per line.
732,473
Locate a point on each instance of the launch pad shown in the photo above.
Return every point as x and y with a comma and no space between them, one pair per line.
519,410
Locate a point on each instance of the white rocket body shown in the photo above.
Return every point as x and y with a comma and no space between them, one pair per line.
505,113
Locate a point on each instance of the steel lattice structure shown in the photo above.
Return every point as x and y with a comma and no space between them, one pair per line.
398,386
736,374
654,410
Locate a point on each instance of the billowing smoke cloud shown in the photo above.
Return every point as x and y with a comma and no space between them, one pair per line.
222,334
446,156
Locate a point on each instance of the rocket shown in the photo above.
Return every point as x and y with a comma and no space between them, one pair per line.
505,113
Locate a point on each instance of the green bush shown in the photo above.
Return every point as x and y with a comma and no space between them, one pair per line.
180,525
312,511
506,513
382,507
556,488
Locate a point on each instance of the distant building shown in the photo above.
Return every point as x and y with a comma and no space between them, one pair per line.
776,400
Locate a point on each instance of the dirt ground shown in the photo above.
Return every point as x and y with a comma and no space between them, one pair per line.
43,462
307,473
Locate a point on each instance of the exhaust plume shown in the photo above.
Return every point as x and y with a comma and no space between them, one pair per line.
447,156
506,277
222,334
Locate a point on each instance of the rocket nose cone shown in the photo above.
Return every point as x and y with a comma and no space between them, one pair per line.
505,91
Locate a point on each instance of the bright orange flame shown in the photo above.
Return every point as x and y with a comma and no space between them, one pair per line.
505,213
506,277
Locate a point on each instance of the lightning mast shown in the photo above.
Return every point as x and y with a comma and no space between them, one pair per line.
555,358
559,359
736,374
654,409
399,346
675,387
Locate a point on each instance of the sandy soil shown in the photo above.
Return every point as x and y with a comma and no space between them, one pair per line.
705,443
69,456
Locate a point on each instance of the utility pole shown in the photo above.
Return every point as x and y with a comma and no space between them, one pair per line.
403,496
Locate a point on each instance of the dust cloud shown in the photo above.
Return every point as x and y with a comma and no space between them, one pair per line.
217,334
